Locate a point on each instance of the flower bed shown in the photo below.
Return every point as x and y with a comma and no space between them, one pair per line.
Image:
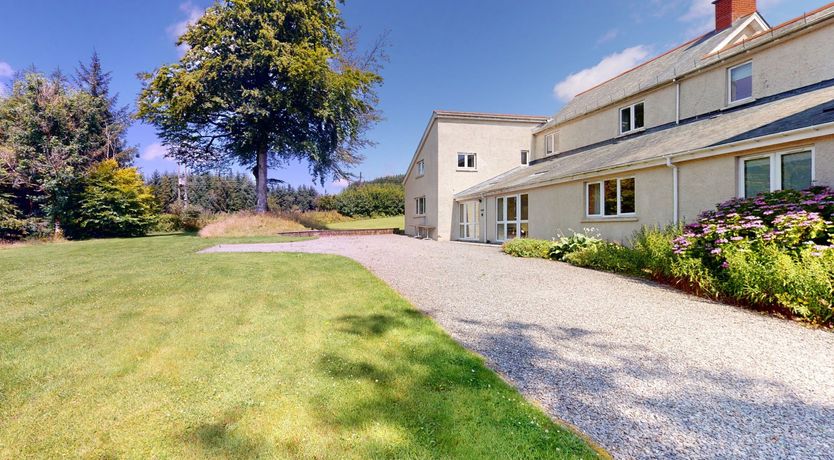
773,252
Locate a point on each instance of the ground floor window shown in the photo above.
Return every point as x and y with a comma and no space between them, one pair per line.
610,198
469,217
420,206
511,217
776,171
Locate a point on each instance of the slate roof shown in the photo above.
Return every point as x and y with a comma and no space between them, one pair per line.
686,58
809,106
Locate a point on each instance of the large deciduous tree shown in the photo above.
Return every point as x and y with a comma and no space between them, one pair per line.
263,82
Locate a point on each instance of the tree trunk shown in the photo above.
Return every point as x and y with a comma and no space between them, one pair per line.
260,181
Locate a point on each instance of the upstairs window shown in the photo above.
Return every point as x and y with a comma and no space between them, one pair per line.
551,143
741,82
631,118
421,168
467,161
524,155
420,206
610,198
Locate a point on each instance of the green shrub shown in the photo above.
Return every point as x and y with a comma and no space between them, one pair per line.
367,200
767,275
113,202
167,223
565,245
605,256
524,247
315,219
12,227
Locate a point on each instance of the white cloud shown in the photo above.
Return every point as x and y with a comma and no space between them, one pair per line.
6,71
340,183
154,152
609,67
611,34
192,13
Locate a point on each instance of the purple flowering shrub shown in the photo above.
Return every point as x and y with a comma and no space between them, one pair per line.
774,249
788,220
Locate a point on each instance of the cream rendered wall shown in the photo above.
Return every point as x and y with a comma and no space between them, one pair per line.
560,208
599,126
707,182
423,186
498,146
801,61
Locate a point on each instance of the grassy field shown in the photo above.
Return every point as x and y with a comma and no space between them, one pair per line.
142,348
380,222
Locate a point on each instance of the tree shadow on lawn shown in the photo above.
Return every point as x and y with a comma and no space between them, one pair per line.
220,438
430,396
627,394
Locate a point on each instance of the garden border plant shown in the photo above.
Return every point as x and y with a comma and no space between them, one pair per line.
773,252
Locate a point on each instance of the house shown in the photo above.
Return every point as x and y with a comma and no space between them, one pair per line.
743,109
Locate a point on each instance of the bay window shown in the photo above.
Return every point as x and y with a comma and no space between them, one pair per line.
610,198
776,171
512,217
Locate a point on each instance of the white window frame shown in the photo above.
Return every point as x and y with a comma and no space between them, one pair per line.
465,225
631,108
466,155
730,101
601,184
421,168
417,201
518,220
775,167
551,140
525,157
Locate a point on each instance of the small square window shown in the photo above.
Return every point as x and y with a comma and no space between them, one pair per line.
632,118
467,161
741,82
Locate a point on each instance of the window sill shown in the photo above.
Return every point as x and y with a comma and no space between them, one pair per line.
739,103
466,170
597,220
633,131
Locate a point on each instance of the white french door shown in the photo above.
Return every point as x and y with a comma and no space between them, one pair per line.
511,217
469,216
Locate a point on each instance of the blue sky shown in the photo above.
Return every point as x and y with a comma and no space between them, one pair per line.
471,55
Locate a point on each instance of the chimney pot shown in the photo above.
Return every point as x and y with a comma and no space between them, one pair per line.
728,11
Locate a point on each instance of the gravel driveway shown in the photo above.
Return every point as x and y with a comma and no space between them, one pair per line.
646,371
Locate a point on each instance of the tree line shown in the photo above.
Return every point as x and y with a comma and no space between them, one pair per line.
261,84
64,158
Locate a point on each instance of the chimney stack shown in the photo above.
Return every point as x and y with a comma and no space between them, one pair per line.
727,11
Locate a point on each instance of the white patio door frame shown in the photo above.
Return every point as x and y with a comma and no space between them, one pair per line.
469,216
514,222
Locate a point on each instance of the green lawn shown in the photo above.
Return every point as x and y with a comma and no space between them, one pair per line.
142,348
380,222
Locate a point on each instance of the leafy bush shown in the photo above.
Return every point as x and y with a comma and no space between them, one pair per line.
11,225
191,218
565,245
524,247
315,219
605,256
367,200
167,223
113,201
